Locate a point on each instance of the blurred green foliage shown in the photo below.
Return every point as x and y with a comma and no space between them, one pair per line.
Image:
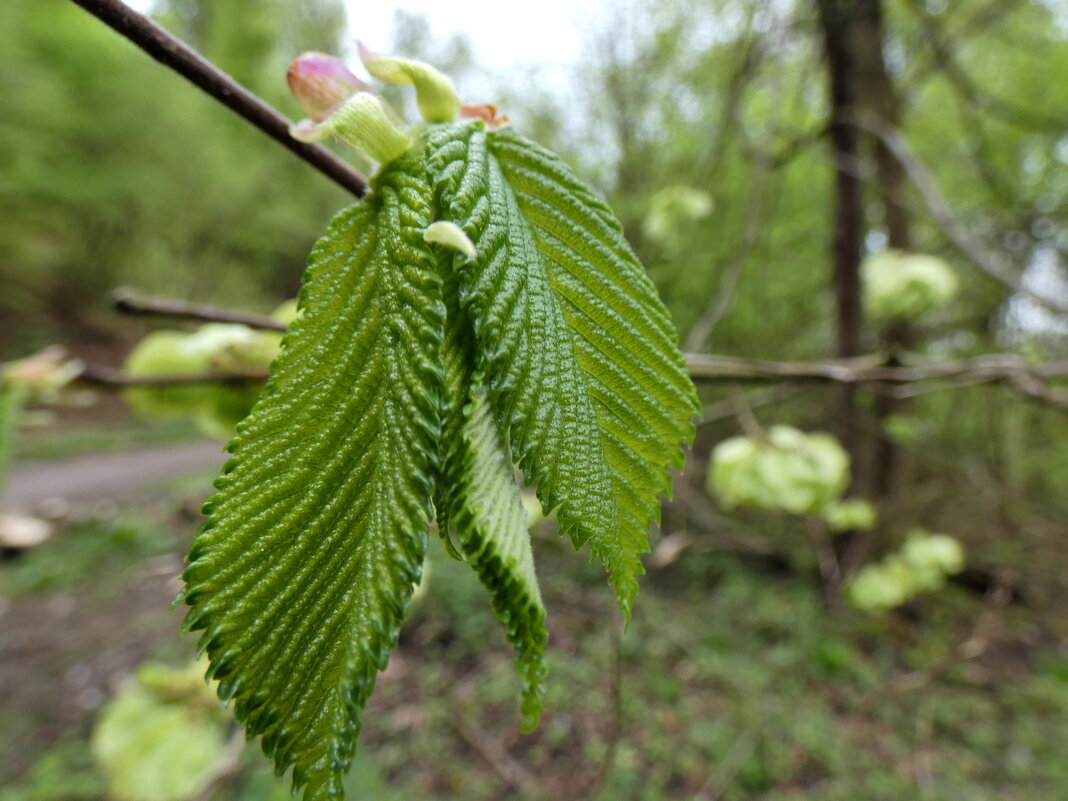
216,408
162,737
780,469
118,172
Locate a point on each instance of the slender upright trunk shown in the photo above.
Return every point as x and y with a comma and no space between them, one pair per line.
877,97
837,20
860,85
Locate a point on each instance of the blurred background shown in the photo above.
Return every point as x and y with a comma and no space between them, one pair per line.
910,644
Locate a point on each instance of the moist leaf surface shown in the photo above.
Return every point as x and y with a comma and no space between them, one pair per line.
302,574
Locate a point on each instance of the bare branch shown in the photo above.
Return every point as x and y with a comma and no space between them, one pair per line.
130,302
997,368
174,53
865,369
110,378
911,374
761,191
1007,369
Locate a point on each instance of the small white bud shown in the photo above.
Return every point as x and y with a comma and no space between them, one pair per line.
452,236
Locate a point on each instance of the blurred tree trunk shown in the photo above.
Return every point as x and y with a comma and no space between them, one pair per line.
837,21
879,99
860,84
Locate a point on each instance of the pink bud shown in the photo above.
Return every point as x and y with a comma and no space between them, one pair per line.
320,83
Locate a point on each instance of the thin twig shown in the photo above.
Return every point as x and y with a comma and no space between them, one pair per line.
110,378
723,299
992,368
131,302
615,697
1007,370
1014,373
174,53
723,409
748,422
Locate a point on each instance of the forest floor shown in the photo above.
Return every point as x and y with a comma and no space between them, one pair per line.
734,680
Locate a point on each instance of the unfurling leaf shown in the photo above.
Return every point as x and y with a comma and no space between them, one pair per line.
480,498
435,95
451,235
321,83
362,121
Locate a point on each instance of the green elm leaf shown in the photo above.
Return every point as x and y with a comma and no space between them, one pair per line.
580,356
483,503
301,576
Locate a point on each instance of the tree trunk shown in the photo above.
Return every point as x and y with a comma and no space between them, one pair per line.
860,85
837,18
877,97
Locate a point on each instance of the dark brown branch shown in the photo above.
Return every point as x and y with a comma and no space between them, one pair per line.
130,302
172,52
110,378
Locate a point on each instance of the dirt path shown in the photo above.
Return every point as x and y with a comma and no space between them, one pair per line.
88,479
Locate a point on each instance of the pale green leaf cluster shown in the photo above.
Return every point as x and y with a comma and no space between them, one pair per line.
921,565
786,470
161,738
429,380
215,407
672,209
902,286
849,514
43,376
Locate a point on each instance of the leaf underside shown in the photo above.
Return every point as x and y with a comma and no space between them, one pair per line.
415,383
480,498
302,574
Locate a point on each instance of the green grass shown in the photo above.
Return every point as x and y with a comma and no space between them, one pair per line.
107,436
735,685
93,557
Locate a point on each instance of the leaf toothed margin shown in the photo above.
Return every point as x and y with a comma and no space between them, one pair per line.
580,355
302,574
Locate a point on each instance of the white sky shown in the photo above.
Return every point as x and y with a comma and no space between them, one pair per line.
502,34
